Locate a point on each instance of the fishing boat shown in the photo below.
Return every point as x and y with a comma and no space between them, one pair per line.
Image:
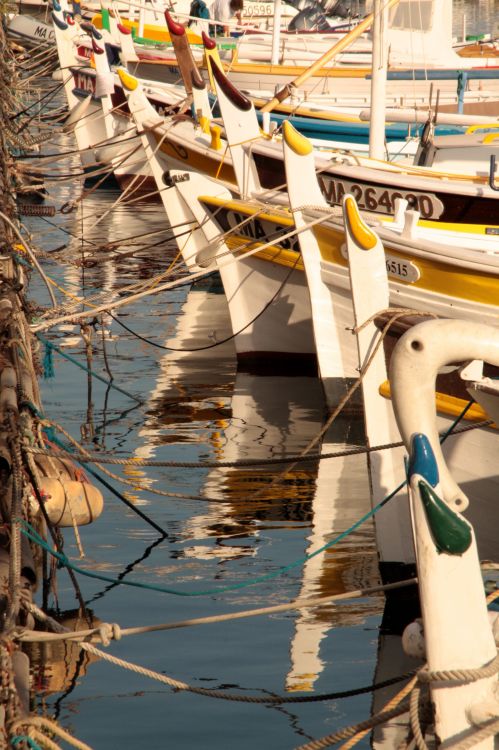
345,83
267,290
442,197
98,113
447,533
271,307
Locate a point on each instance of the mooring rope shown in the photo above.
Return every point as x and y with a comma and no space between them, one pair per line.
50,345
42,722
117,632
88,457
106,632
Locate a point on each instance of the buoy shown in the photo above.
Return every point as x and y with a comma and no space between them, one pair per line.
68,502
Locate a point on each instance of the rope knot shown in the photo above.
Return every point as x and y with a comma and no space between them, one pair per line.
109,632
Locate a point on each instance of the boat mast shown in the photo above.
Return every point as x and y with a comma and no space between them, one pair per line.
276,33
378,80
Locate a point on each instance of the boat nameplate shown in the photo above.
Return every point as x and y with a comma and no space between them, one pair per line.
396,267
257,9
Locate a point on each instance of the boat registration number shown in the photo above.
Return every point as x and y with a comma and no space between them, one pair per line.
83,82
396,268
258,9
253,228
379,199
84,52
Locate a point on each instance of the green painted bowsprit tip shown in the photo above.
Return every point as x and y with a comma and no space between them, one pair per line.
450,532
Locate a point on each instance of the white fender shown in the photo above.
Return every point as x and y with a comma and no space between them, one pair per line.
104,85
67,502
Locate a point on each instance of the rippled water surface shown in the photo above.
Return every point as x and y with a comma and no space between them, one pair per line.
222,527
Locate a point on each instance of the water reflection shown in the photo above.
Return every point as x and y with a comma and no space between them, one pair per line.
248,521
56,667
263,417
197,400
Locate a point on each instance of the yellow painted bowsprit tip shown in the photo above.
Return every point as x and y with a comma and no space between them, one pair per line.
128,81
295,140
362,235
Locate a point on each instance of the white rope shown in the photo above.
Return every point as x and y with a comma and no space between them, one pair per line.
171,284
114,631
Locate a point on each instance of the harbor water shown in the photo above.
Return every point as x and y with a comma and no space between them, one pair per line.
225,539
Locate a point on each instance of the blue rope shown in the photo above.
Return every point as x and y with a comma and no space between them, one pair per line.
15,741
48,361
63,560
64,354
22,261
30,532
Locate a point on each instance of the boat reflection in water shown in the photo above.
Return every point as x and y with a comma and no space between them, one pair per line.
57,666
341,497
199,397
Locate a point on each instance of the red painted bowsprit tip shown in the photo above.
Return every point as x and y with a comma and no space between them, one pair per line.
173,26
208,42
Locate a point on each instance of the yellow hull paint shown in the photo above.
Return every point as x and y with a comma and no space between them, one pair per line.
437,277
293,71
450,406
289,109
240,244
212,167
440,278
478,229
151,31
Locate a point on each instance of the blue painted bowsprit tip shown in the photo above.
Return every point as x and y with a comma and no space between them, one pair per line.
422,460
60,24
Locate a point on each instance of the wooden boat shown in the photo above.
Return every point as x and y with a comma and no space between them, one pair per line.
270,304
99,115
466,202
30,31
408,85
457,628
419,258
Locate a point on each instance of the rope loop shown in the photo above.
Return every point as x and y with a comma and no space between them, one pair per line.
109,632
460,675
68,207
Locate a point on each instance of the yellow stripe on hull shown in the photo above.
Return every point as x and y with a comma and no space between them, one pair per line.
293,71
440,278
272,254
290,109
450,406
478,229
198,161
434,276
